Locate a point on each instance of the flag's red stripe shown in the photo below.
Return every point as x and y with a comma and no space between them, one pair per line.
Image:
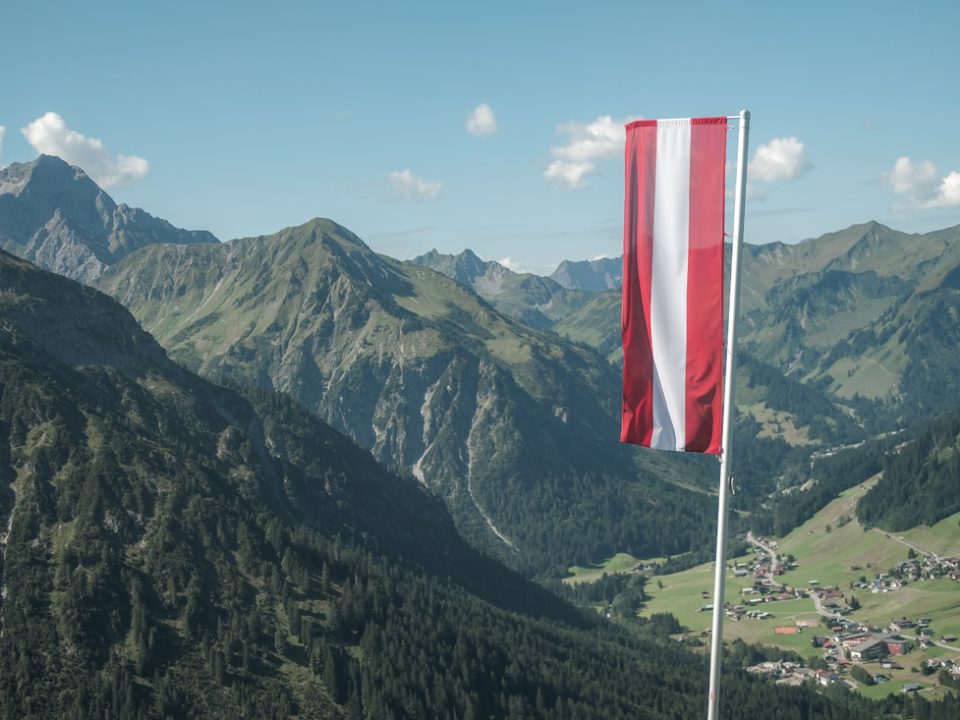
705,286
641,162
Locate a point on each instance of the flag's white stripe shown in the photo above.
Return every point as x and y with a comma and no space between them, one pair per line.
668,289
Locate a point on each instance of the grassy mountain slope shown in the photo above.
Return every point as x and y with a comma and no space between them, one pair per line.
515,428
866,313
597,324
906,356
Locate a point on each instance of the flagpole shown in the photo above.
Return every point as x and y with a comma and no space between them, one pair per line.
726,442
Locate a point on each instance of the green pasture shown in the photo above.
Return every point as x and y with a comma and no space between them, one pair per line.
942,538
619,563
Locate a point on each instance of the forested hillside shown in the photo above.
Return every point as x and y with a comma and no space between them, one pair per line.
175,549
921,479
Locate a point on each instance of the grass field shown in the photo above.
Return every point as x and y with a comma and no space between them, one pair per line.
619,563
829,556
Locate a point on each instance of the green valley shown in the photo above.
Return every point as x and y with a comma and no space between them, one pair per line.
830,549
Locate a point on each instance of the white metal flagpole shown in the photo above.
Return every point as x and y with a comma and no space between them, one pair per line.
726,442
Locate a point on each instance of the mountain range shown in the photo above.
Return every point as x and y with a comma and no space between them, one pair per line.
220,546
513,426
498,390
866,314
174,548
533,300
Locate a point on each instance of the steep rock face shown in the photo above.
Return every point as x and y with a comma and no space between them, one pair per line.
590,275
465,268
53,214
498,418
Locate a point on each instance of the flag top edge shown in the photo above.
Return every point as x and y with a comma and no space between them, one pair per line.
721,120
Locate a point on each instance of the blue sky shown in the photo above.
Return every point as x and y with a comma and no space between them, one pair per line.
243,118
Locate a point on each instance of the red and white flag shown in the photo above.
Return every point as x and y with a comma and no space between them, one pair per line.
672,316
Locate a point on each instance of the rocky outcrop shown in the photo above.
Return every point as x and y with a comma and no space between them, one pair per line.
53,214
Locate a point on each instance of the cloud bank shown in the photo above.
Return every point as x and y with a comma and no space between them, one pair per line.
482,121
921,185
50,135
407,186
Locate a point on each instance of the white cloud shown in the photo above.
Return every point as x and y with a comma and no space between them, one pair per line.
600,257
3,132
912,179
482,121
921,185
586,144
50,135
568,175
948,194
779,159
510,264
407,186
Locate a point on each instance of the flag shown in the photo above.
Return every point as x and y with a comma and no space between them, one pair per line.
672,313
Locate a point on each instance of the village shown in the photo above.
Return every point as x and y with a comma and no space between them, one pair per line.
853,653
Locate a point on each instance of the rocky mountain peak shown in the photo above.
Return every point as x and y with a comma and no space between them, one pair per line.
465,267
54,214
591,275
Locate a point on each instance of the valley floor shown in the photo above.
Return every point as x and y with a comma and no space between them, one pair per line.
832,550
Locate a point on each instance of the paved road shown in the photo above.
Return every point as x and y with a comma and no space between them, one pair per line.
817,602
765,548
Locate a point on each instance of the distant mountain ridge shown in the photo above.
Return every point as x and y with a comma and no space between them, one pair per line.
837,311
53,214
590,275
534,300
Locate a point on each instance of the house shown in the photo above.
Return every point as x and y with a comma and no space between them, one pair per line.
827,677
857,638
912,687
901,624
869,650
